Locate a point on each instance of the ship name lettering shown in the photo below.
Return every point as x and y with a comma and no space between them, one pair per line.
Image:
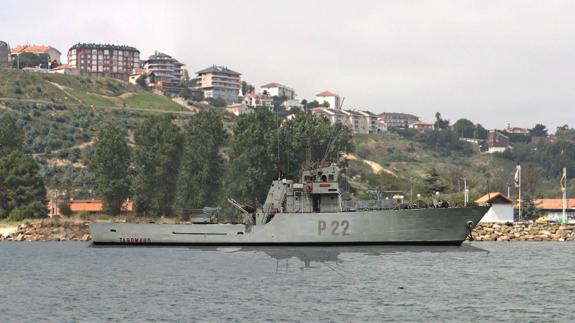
337,227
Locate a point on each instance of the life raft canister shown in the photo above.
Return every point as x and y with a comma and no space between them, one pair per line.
308,187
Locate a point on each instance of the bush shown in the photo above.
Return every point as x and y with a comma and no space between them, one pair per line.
65,208
16,215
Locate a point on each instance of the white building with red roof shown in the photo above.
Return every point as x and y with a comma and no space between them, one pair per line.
501,207
276,89
258,100
331,98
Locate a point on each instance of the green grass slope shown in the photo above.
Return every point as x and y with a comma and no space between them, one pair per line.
68,89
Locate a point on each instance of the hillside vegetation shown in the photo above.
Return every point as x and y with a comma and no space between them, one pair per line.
77,90
61,116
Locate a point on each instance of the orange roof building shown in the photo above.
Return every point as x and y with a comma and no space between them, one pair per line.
88,206
553,204
52,52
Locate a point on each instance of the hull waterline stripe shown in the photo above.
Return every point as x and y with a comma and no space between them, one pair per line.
202,233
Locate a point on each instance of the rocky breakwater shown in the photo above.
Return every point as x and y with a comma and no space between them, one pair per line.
523,231
48,231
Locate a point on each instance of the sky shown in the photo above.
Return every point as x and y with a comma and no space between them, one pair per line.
493,62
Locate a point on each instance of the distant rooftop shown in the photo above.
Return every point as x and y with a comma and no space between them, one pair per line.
103,46
326,93
218,69
32,49
271,85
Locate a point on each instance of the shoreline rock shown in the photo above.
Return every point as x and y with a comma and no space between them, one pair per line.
523,231
49,231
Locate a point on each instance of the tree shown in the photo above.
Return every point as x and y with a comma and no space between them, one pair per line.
480,132
217,102
434,182
313,104
156,163
538,131
11,136
247,88
440,124
31,60
202,166
325,141
253,158
22,190
110,167
464,128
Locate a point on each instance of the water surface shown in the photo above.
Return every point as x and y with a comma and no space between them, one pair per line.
75,282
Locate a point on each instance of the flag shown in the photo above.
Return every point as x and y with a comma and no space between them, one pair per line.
516,178
563,181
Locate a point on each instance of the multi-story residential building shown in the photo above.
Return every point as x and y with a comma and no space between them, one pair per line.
497,142
332,99
276,89
4,54
53,53
219,81
292,104
168,72
380,125
398,120
368,122
332,115
104,60
259,100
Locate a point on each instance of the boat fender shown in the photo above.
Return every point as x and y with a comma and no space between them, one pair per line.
469,224
308,187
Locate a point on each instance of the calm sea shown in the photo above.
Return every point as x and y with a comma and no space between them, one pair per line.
75,282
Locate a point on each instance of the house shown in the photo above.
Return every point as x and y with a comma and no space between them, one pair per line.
219,81
497,142
258,100
239,108
104,60
333,115
398,120
86,206
501,207
64,69
421,126
380,125
368,122
292,104
516,130
52,52
4,55
332,99
276,89
554,207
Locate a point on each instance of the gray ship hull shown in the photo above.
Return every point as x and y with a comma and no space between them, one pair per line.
433,226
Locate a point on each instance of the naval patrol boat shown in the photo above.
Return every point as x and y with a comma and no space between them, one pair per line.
310,212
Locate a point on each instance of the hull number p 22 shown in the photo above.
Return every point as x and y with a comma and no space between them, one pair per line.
335,228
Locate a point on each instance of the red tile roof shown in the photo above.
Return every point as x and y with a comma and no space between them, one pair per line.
32,49
95,206
553,204
494,197
270,85
326,93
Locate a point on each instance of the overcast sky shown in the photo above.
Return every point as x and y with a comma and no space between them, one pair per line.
494,62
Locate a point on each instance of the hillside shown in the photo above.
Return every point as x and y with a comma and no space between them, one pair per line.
406,163
62,114
76,90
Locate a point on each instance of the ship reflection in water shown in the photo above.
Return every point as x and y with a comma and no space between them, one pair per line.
331,255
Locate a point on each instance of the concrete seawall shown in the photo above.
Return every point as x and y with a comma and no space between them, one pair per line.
523,231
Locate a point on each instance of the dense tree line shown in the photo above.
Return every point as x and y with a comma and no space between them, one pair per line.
22,190
174,170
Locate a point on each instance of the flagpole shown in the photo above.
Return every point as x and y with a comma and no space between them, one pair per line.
519,170
564,189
